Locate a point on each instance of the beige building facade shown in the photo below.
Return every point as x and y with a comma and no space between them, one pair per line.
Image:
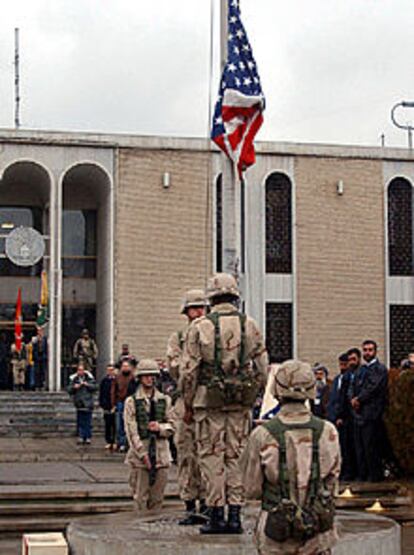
130,223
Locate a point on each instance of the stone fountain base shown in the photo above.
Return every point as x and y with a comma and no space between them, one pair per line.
131,533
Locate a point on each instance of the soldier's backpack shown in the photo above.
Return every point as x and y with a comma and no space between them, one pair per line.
287,519
228,388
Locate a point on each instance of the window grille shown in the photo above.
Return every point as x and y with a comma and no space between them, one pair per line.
401,333
278,224
279,330
400,228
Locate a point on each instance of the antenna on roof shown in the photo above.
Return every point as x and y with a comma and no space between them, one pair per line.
16,79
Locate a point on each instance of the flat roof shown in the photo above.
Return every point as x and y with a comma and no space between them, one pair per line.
120,140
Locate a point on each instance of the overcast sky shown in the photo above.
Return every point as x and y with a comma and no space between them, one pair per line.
331,69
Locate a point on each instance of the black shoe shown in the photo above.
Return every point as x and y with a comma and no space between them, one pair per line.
216,524
234,525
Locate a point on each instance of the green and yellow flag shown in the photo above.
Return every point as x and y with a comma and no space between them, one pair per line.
43,309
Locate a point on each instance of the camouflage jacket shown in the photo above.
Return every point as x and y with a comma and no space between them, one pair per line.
199,348
260,459
175,347
85,350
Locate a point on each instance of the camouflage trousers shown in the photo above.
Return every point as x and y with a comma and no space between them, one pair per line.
221,437
144,495
189,476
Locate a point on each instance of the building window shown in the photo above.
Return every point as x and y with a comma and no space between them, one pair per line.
400,228
279,331
278,224
10,218
219,224
401,333
79,243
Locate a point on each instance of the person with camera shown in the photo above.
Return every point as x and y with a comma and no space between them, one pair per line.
82,387
292,464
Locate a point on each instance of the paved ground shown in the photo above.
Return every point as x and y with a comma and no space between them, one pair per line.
61,466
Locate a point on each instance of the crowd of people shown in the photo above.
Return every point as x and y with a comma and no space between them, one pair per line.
24,369
355,402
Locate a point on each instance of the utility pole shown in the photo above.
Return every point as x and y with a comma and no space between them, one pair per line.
230,181
16,79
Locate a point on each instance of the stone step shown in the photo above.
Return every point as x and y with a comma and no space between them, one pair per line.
34,524
35,397
64,492
78,454
80,505
58,520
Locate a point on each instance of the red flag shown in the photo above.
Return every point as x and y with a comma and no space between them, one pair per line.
18,322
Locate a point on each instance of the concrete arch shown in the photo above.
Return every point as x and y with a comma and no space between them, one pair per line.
87,175
27,181
87,185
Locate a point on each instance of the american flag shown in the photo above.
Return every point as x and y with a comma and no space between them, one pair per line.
238,112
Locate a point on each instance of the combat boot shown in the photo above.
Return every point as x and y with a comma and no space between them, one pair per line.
234,525
216,524
191,517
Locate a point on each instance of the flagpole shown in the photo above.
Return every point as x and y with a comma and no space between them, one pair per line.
230,181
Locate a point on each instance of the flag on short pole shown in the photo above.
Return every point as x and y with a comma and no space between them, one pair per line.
238,114
18,336
42,311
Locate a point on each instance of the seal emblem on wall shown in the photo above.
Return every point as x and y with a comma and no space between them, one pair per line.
25,246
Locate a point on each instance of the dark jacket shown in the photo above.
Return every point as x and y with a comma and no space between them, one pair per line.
344,408
105,389
82,397
371,389
334,398
319,406
40,351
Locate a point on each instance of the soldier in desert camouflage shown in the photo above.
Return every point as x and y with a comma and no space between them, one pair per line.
277,465
85,350
224,365
189,477
148,417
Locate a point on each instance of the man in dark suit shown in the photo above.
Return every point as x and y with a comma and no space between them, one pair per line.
345,416
369,402
335,391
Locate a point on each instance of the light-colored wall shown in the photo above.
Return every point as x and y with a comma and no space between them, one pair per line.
163,243
340,256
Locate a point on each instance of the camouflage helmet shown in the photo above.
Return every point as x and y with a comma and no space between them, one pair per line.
295,380
193,298
148,367
222,284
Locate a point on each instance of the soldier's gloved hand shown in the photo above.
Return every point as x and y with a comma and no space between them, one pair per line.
154,427
188,415
147,461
